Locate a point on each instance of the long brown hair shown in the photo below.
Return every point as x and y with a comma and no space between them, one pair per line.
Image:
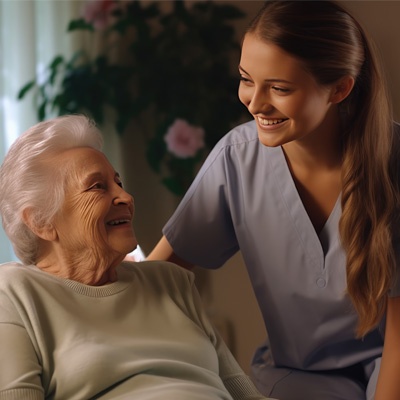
332,44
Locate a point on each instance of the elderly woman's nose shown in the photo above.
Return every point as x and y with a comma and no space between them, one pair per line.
122,196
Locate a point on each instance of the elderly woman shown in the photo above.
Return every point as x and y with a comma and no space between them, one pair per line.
76,321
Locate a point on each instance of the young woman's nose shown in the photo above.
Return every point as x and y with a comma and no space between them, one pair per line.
259,102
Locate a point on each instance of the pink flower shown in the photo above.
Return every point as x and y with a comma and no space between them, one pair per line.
98,12
184,140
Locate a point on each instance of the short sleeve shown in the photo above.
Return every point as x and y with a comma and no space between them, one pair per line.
201,229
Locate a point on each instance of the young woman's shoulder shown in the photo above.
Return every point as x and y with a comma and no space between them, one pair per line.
246,132
236,144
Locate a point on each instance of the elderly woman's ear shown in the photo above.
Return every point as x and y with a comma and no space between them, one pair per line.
43,231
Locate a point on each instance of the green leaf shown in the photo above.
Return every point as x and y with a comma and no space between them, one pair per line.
54,68
25,89
57,60
80,24
42,111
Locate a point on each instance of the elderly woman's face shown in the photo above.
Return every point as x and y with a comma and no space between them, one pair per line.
97,212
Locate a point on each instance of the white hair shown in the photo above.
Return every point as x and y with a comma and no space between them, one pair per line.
28,180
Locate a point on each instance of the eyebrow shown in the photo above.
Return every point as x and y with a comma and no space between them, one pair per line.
273,80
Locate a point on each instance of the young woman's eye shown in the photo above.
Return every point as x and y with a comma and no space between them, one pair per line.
280,89
244,79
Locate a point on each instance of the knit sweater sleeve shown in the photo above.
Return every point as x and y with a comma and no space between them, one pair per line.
19,366
238,384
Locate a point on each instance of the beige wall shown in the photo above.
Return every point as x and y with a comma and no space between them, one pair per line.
227,292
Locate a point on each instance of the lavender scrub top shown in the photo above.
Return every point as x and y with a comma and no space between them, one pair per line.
244,198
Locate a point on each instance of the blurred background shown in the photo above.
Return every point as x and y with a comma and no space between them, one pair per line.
161,80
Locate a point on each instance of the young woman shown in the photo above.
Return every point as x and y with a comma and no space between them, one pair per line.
308,192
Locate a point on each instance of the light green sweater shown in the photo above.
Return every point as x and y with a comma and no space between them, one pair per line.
143,337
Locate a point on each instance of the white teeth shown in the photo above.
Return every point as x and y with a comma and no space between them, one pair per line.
264,121
119,221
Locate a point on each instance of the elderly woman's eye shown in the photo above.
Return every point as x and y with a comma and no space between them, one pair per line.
97,185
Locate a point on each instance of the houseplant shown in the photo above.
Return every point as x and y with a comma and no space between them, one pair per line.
165,64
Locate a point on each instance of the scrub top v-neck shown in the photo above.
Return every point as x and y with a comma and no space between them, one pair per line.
244,198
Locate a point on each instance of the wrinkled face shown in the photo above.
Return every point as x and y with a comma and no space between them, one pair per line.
97,212
285,100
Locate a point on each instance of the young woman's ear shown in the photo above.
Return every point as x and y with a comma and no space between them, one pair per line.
45,232
341,89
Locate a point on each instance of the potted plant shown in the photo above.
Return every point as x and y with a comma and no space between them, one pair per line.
169,67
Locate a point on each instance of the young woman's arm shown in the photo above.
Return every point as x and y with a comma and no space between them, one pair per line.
164,251
388,387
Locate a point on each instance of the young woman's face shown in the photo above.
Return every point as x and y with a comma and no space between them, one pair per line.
285,100
97,212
